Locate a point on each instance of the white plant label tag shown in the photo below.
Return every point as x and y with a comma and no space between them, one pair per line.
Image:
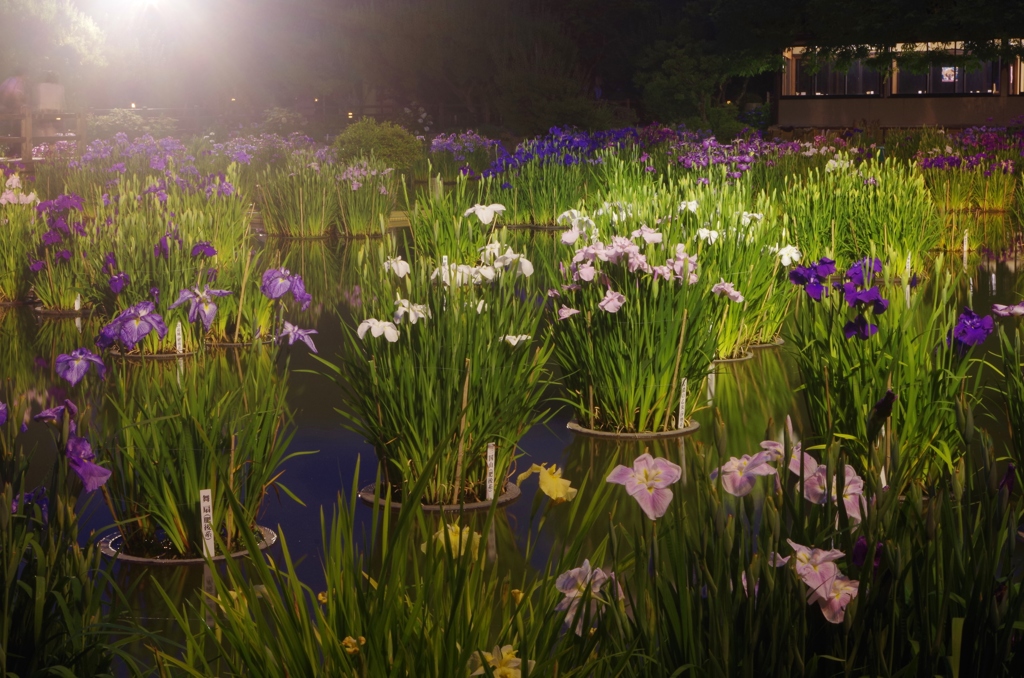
992,283
179,339
78,302
490,471
711,386
206,518
681,417
965,249
78,325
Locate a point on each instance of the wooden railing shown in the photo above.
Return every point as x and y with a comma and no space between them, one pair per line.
31,121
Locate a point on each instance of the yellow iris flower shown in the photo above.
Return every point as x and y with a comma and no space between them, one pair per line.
551,482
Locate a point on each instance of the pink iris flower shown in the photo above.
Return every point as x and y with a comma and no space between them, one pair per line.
833,603
816,488
648,482
586,273
612,301
566,312
1007,311
728,290
739,475
827,586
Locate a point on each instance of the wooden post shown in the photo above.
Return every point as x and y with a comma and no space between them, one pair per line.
26,134
79,133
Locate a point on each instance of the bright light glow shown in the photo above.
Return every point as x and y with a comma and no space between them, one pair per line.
232,98
350,115
315,100
133,104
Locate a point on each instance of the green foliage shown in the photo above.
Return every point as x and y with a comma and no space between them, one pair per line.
424,596
282,121
44,32
846,208
131,123
387,142
14,249
437,383
57,616
844,377
221,425
299,200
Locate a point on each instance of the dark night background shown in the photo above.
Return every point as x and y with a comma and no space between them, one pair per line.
515,65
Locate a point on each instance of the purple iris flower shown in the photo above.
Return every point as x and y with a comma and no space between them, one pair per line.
3,413
861,273
812,278
36,265
970,330
299,292
869,297
860,552
203,248
140,320
824,267
73,366
51,238
155,293
36,497
202,304
279,281
64,254
293,333
859,327
119,282
1009,478
55,415
161,249
276,282
80,458
68,202
132,325
109,263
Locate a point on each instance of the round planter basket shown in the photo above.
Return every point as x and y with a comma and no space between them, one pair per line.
110,546
239,344
509,494
747,355
640,435
153,356
779,341
61,313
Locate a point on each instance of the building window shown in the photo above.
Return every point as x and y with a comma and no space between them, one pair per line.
950,79
858,80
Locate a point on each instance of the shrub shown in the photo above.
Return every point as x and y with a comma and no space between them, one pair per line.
282,121
392,144
131,123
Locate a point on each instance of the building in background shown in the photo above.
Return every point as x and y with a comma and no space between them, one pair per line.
945,95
